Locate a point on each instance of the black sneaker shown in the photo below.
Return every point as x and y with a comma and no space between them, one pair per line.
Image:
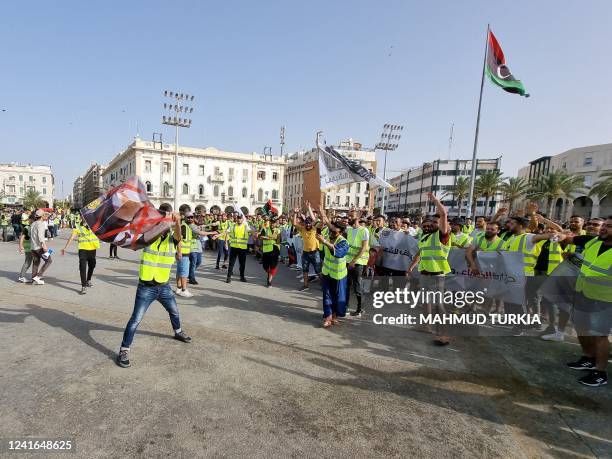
243,279
268,283
123,358
585,363
228,280
304,288
595,378
217,267
83,291
182,336
193,282
356,313
89,284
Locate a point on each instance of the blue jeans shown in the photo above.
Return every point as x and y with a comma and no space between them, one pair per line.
334,296
145,295
313,258
221,251
195,260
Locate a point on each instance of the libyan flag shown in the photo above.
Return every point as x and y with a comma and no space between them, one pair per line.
498,71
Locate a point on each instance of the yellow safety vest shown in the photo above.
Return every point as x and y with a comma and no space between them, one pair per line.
486,246
87,239
433,254
355,239
186,242
268,244
157,259
571,248
467,228
239,236
554,255
595,277
530,257
334,267
461,241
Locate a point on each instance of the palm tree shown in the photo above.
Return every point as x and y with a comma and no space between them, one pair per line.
459,191
603,187
514,188
487,186
32,199
557,184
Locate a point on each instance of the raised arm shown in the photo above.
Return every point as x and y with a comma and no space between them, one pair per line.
441,210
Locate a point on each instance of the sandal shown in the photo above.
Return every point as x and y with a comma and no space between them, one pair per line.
327,323
335,322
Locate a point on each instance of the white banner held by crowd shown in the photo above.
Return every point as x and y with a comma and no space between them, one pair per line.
399,249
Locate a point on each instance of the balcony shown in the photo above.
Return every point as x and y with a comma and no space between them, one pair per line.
218,178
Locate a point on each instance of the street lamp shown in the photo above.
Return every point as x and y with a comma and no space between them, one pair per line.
389,141
177,112
282,139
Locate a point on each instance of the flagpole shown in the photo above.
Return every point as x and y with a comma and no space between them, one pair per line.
474,154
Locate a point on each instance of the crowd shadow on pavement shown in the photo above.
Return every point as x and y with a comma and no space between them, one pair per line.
79,328
498,398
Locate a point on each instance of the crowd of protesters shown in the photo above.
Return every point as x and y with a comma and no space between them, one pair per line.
343,252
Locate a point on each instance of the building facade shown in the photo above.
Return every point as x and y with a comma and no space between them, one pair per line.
77,193
210,180
439,177
18,179
587,162
91,184
302,181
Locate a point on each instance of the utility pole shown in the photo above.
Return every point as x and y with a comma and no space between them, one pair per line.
450,140
176,111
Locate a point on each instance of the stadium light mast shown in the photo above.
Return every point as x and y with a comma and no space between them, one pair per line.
282,139
389,141
178,107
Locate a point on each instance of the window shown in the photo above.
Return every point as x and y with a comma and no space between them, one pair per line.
275,176
148,165
588,180
11,188
31,178
21,178
20,190
337,200
166,188
275,194
260,195
347,201
167,168
31,188
588,160
231,174
216,191
327,199
185,169
367,201
261,175
44,179
149,187
357,201
230,191
201,190
217,170
245,192
245,173
201,170
185,188
358,187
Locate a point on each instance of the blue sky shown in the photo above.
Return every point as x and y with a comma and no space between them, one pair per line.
77,76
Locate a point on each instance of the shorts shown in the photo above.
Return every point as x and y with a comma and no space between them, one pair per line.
591,317
182,266
311,257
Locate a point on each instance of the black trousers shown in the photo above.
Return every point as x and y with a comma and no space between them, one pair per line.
87,263
113,250
241,255
354,282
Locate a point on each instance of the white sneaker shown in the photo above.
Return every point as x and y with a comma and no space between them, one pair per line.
22,280
38,281
187,294
299,276
556,336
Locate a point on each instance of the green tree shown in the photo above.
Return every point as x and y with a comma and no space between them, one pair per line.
603,187
487,186
459,191
557,184
513,189
32,199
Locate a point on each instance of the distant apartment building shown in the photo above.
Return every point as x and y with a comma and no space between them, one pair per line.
589,163
210,180
77,193
18,179
302,181
91,185
439,177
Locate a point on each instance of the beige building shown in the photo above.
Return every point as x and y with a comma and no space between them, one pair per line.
77,193
91,184
589,163
210,180
17,179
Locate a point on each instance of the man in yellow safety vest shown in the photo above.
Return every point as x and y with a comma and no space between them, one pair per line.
88,244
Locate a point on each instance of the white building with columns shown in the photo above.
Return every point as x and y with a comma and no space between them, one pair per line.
210,180
589,163
17,179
